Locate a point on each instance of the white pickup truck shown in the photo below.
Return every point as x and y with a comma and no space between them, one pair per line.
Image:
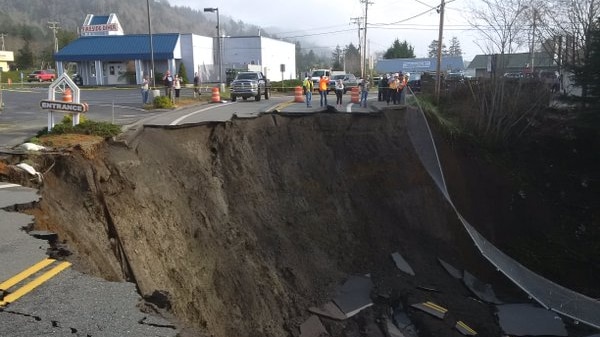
250,84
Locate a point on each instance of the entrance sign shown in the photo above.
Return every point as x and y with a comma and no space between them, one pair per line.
63,106
69,100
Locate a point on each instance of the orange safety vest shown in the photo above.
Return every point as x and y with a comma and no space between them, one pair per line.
323,83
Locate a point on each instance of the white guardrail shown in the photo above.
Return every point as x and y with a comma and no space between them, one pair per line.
552,296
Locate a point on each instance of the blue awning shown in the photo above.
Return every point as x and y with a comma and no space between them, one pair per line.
119,47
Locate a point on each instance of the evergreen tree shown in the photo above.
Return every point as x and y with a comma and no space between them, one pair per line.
182,74
337,58
433,49
588,74
352,58
454,49
24,59
400,50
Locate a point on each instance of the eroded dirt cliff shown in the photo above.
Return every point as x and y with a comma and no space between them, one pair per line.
247,224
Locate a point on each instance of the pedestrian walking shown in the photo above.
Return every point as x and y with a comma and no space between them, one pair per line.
364,92
168,82
177,86
339,91
145,88
196,84
323,84
307,86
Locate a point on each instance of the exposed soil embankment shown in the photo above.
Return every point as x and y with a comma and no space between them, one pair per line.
247,224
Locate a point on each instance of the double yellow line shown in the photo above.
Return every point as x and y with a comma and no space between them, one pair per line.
25,274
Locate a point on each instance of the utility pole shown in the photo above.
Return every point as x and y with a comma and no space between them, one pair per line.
364,69
533,42
2,35
54,26
358,21
438,66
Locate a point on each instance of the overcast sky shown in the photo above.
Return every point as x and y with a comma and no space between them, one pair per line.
328,22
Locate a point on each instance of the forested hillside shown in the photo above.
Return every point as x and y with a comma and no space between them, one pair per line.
25,24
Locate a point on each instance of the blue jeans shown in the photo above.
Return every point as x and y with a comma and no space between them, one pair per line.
144,96
323,96
363,98
308,98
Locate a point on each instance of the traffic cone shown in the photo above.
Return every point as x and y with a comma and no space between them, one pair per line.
216,97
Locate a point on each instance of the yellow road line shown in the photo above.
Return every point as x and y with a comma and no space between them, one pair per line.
435,307
25,274
283,105
35,283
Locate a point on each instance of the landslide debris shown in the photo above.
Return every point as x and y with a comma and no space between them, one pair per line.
242,226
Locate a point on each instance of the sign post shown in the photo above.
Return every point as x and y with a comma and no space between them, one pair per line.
1,102
282,68
69,102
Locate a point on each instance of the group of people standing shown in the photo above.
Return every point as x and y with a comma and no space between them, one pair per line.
391,88
323,86
172,87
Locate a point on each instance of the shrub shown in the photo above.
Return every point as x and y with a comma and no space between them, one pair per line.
162,102
86,127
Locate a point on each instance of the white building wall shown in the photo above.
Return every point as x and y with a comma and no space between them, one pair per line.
238,52
197,54
274,54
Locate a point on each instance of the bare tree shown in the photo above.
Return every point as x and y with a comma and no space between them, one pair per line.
501,23
569,25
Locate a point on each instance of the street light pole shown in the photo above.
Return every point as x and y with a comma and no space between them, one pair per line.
151,45
219,45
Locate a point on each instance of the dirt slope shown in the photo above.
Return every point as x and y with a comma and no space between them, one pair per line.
247,224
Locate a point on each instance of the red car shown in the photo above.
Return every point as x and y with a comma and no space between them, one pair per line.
41,76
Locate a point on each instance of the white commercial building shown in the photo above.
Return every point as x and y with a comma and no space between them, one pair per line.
106,56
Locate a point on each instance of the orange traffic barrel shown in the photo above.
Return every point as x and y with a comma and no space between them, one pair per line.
67,95
216,97
298,98
354,95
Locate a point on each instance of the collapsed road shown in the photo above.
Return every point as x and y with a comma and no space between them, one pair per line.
246,225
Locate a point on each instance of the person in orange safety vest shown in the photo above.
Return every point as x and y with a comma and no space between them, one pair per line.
323,84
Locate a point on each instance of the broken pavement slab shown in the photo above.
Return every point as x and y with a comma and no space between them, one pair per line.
431,308
529,320
354,295
402,264
402,323
313,327
13,194
454,272
330,310
484,291
464,329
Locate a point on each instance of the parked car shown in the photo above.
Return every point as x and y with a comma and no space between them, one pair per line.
455,77
350,81
513,75
41,76
414,82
